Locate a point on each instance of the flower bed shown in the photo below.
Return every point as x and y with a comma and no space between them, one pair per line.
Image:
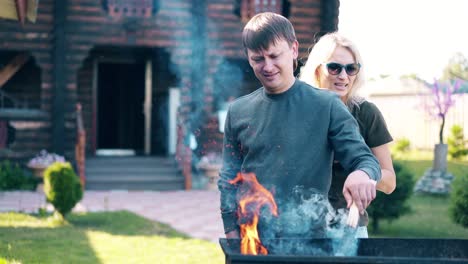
43,160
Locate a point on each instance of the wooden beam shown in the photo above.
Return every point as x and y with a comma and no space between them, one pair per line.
11,68
329,16
59,81
21,9
14,114
9,9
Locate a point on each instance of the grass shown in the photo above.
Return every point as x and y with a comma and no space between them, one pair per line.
419,167
419,161
429,219
111,237
430,216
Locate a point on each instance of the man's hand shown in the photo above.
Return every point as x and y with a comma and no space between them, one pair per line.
233,234
359,188
353,216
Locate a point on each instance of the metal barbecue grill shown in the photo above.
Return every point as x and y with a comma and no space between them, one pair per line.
370,250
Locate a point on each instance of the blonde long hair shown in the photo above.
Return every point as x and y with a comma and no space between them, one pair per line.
321,52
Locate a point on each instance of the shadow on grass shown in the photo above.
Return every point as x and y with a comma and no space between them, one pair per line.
122,223
46,245
33,239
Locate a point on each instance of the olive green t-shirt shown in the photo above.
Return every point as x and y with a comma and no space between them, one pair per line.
374,130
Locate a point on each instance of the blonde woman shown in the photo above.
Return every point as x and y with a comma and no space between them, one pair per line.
334,63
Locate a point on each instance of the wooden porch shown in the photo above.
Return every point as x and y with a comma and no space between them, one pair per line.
133,173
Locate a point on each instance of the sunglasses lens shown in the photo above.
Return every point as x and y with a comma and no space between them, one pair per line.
334,68
352,69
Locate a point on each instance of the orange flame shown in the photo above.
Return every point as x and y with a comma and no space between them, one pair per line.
253,197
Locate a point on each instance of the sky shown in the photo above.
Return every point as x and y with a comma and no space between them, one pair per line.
398,37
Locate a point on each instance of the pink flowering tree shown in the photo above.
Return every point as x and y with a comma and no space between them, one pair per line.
443,98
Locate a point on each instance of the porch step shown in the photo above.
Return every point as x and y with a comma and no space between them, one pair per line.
133,173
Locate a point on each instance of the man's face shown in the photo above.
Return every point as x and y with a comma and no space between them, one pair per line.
274,66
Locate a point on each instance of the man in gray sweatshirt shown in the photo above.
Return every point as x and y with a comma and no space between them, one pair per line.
287,132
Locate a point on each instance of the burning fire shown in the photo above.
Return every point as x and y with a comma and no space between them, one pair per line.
253,196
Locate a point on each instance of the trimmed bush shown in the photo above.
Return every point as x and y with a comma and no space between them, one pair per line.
457,143
13,177
459,200
62,187
401,146
394,205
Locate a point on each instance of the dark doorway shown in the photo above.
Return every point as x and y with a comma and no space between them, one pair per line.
121,92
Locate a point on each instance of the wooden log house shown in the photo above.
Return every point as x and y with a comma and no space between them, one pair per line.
146,72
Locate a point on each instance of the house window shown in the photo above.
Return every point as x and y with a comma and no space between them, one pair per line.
246,9
131,8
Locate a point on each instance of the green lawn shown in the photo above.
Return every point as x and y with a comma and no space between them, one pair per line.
113,237
418,167
430,217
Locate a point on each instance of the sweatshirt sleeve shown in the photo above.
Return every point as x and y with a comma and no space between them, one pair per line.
348,145
232,160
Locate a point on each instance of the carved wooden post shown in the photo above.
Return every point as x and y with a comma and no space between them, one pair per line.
187,168
184,155
80,146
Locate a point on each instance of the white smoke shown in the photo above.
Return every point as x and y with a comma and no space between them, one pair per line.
309,225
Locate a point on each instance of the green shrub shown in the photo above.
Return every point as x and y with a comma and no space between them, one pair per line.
62,187
459,200
13,177
401,146
394,205
457,143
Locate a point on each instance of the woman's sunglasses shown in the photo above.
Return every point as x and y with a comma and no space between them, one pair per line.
336,68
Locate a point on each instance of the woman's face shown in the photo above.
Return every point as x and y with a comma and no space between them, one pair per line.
341,83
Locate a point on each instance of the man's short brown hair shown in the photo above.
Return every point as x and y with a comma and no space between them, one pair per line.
265,29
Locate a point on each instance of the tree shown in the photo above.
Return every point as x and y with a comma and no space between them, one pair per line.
394,205
443,98
457,143
457,68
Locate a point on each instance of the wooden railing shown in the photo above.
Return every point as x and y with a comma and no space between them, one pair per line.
80,146
8,101
184,154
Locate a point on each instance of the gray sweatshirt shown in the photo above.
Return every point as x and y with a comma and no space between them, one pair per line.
289,140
